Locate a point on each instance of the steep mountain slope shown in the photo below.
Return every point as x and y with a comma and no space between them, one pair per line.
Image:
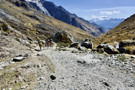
58,12
23,17
125,30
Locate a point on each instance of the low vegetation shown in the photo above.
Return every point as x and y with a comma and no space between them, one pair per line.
121,58
61,44
130,49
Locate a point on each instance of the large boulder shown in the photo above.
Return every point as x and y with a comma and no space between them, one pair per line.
64,37
125,43
108,48
87,45
75,45
102,46
111,50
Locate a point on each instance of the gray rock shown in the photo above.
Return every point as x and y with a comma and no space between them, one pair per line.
87,45
102,45
111,50
20,57
75,45
108,48
24,42
132,56
53,77
64,37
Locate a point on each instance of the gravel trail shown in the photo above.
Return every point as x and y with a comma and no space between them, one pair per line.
84,71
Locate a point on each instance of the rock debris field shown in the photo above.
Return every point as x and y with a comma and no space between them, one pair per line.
87,71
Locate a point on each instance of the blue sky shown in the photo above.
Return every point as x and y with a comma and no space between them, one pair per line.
98,9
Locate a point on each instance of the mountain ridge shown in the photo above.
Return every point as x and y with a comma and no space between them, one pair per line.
58,12
23,17
108,23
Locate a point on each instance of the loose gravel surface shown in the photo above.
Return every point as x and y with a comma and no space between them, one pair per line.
86,71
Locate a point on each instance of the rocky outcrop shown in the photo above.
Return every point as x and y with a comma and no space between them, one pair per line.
64,37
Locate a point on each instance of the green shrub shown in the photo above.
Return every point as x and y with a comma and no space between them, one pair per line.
122,58
61,44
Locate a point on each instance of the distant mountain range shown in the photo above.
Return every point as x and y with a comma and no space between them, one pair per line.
58,12
108,23
124,31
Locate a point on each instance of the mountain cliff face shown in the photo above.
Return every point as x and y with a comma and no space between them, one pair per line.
58,12
125,30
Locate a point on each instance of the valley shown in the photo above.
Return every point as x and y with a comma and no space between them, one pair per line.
48,48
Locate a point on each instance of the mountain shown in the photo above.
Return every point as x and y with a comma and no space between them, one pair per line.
108,23
58,12
22,17
125,30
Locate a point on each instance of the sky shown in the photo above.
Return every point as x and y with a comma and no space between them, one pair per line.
98,9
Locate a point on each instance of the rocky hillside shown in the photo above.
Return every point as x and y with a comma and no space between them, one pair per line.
23,17
58,12
125,30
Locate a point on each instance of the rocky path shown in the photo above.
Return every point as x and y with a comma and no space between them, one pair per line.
84,71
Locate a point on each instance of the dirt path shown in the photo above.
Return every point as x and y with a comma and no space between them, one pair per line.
72,73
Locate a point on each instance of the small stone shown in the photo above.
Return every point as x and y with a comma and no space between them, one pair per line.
132,56
18,59
106,84
38,54
52,77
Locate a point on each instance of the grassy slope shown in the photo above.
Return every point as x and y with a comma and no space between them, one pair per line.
125,30
41,25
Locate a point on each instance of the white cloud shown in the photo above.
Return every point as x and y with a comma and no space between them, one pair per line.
114,12
97,18
109,12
